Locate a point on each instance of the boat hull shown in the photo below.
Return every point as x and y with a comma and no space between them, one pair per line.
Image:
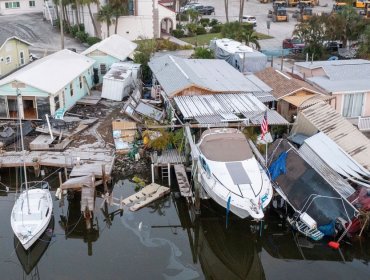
29,226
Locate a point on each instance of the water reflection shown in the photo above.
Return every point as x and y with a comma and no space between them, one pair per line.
30,258
74,225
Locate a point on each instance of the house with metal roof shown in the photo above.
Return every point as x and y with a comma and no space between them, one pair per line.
321,117
210,91
347,80
14,53
55,82
111,50
291,93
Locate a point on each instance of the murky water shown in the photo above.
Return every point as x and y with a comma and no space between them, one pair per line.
161,242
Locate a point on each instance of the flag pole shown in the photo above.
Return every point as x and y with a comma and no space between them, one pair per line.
266,152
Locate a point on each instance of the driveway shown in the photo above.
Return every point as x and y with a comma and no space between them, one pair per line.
44,38
279,30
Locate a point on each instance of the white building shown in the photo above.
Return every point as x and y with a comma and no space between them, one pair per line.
147,19
8,7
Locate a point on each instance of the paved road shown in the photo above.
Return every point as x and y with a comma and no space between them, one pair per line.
44,38
279,30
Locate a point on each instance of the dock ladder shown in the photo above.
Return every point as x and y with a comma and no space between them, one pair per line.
165,173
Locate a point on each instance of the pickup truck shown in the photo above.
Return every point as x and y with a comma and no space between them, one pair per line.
294,43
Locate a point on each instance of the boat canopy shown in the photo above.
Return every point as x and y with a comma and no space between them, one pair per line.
225,145
305,189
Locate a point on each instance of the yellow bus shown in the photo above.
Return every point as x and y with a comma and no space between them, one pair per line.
359,3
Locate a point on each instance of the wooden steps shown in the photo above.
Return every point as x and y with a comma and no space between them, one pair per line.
182,180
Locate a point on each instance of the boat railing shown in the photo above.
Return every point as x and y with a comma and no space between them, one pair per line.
36,185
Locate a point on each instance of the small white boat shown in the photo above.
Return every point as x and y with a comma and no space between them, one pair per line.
229,170
31,213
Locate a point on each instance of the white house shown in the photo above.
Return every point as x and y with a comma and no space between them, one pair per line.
147,19
8,7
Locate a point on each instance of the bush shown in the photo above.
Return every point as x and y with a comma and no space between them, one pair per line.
82,36
192,28
184,17
201,30
216,28
92,40
214,22
73,30
204,21
178,33
203,53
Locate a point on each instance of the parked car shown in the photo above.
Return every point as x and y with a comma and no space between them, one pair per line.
293,43
208,10
186,7
333,46
250,19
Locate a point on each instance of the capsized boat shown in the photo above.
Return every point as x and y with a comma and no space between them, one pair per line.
31,213
228,170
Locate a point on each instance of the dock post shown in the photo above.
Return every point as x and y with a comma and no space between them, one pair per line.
169,174
104,178
60,179
152,168
66,173
197,187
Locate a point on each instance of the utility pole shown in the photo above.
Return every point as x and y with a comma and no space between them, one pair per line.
61,21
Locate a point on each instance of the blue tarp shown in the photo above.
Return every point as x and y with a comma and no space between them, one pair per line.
328,229
278,167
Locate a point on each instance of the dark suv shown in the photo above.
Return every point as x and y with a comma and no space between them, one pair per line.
207,10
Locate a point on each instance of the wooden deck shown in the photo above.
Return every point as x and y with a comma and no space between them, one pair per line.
171,157
82,162
82,125
182,180
146,196
43,142
92,99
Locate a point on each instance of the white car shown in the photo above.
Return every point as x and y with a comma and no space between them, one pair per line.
250,19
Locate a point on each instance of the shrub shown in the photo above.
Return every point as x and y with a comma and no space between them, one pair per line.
201,30
204,21
216,28
74,30
192,28
214,22
82,36
92,40
203,53
182,17
178,33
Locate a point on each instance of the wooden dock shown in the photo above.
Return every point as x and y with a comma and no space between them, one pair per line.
182,180
82,162
170,156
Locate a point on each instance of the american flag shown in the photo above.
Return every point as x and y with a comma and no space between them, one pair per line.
264,125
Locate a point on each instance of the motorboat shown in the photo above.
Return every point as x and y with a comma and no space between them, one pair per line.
31,213
231,175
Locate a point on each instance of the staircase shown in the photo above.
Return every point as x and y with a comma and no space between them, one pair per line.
165,173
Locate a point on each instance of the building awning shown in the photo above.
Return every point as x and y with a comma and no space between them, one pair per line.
223,108
304,101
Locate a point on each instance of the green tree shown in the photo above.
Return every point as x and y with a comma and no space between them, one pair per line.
105,15
312,33
242,32
203,53
144,52
251,39
120,8
364,49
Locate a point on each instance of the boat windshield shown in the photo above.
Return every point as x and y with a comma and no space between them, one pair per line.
225,147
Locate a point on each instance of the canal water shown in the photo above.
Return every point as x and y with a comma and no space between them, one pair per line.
162,242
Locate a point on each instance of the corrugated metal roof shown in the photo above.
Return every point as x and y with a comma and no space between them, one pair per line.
218,108
318,64
340,130
115,46
328,159
175,73
346,85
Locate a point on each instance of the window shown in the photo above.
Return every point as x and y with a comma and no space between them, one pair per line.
21,58
32,3
8,60
12,5
103,69
71,86
80,81
352,104
56,102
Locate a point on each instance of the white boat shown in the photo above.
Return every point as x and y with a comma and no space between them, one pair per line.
228,169
31,213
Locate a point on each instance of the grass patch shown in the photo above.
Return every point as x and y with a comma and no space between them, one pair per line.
204,39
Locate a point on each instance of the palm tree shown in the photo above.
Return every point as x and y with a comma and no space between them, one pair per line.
105,15
251,39
120,8
88,4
